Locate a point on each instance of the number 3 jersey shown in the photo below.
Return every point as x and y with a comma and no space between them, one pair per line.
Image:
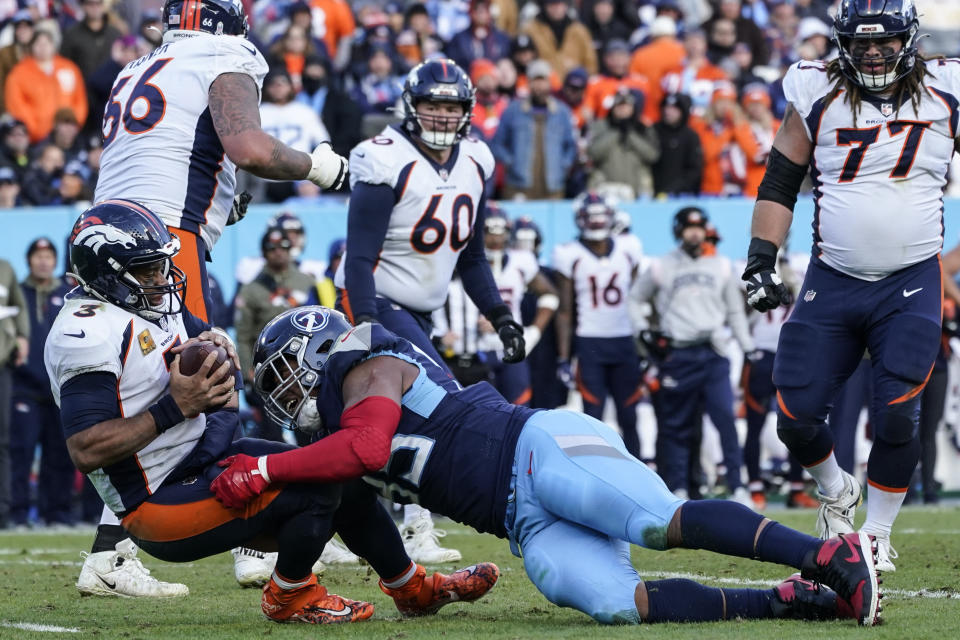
878,178
433,214
160,147
600,286
89,336
453,449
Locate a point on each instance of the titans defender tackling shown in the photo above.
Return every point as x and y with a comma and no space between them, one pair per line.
559,484
416,214
877,127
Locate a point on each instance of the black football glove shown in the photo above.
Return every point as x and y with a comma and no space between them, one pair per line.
765,289
510,332
239,208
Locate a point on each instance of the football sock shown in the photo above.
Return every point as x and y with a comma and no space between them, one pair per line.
828,475
892,465
719,525
289,585
399,580
882,509
108,535
679,600
783,545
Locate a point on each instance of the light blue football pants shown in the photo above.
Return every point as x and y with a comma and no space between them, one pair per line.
579,499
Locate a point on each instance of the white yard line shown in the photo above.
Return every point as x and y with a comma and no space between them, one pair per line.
29,626
746,582
16,551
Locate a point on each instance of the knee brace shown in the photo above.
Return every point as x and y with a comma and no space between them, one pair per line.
795,434
898,425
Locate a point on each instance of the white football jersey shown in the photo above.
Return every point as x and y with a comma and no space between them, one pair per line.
513,275
160,148
91,336
765,327
432,220
294,124
878,182
600,287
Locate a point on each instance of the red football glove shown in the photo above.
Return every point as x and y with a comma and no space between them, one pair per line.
244,479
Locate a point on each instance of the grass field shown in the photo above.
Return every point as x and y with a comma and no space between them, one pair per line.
38,571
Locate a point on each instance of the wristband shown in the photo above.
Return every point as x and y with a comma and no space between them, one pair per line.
761,255
166,413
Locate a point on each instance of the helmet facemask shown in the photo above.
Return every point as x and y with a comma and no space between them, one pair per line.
285,385
895,65
438,131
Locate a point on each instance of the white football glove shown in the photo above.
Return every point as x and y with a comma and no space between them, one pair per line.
329,170
531,336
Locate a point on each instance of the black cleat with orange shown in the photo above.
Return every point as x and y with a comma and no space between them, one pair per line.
847,564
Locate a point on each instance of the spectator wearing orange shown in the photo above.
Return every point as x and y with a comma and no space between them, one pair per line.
663,53
726,138
42,83
696,76
334,24
14,52
291,51
562,40
418,41
601,89
490,103
756,105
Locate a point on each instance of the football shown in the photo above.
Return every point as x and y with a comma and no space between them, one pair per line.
192,358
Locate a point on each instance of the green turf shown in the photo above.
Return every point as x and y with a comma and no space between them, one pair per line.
38,571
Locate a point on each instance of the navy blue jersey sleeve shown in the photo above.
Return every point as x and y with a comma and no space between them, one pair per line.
367,222
88,399
475,270
194,325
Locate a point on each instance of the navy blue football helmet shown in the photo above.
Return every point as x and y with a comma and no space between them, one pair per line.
437,81
110,239
219,17
526,235
496,221
594,215
858,22
689,217
288,362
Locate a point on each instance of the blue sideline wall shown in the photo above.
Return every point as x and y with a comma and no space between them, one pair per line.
652,221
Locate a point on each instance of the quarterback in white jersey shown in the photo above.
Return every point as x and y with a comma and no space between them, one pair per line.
181,120
877,127
594,275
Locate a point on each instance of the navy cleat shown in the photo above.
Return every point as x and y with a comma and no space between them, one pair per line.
805,600
847,564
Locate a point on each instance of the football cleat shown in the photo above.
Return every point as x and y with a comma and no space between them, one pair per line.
311,604
422,542
846,564
423,596
835,515
742,496
120,573
253,568
759,500
886,554
337,553
805,600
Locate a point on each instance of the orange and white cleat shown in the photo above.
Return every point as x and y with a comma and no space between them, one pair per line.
310,603
423,596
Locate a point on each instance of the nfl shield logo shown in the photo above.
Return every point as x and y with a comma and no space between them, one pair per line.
809,295
444,175
886,109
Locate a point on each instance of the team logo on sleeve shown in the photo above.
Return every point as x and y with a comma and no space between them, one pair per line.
310,320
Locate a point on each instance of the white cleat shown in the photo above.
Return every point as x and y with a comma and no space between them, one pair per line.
886,554
422,543
835,515
742,496
253,568
337,553
120,573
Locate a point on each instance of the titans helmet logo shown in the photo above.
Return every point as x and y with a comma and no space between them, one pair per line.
310,320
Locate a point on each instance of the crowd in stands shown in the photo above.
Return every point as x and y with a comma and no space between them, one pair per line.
651,97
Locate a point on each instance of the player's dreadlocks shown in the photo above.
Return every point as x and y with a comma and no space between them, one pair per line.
912,84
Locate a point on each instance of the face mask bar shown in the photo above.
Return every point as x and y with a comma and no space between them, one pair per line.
283,387
895,65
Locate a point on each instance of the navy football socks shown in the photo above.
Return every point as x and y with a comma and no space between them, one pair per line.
678,600
731,529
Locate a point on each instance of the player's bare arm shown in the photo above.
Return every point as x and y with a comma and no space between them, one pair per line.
234,107
547,300
564,318
113,440
772,219
383,376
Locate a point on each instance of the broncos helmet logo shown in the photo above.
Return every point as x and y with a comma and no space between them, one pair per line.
96,236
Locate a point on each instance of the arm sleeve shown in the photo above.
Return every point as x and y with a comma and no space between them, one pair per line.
474,270
367,223
362,445
86,400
